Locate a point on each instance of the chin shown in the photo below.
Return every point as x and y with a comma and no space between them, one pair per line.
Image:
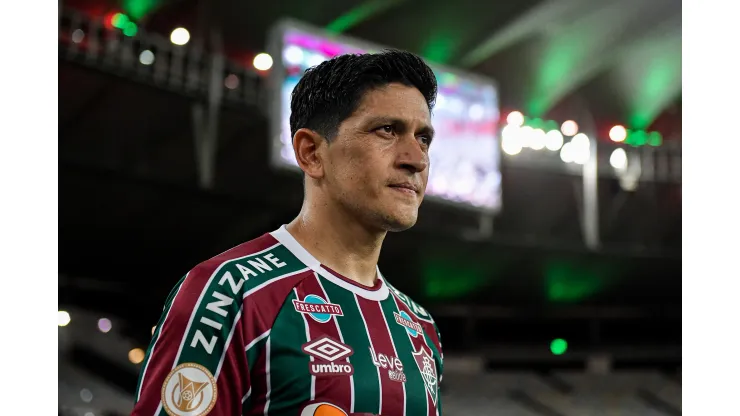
396,222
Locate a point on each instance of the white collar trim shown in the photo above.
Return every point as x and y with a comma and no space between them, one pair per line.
286,239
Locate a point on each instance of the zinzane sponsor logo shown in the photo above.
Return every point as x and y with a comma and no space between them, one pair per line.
325,352
317,308
403,319
390,363
219,306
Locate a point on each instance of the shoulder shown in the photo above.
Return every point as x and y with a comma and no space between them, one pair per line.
418,311
254,262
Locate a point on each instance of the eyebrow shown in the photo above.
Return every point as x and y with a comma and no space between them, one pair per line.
425,128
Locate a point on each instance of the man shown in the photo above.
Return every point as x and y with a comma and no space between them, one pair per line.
300,321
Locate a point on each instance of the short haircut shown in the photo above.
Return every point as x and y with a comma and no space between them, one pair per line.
330,92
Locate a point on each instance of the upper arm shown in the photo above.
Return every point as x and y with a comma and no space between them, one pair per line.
197,343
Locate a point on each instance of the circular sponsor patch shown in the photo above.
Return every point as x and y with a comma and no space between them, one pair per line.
189,390
316,300
322,409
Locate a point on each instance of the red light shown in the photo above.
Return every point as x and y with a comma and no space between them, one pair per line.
108,19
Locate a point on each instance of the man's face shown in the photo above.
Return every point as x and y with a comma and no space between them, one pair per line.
378,164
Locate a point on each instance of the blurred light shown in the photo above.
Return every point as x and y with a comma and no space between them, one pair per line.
146,57
131,29
566,154
136,355
569,128
655,139
581,148
525,135
104,325
511,140
231,82
63,318
89,414
537,139
618,159
581,140
515,118
315,59
293,55
119,20
154,328
262,61
475,112
180,36
618,133
78,35
558,346
86,395
553,140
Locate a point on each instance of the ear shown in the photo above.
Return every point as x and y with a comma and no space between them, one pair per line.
307,145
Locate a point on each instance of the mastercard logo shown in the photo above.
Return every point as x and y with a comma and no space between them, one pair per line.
322,409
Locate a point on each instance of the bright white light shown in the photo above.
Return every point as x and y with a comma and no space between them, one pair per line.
580,148
262,61
511,142
475,112
581,140
618,159
180,36
104,325
553,140
525,135
537,139
63,318
315,59
569,128
146,57
154,328
293,55
618,133
566,154
515,118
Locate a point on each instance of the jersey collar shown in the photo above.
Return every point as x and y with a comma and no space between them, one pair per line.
286,239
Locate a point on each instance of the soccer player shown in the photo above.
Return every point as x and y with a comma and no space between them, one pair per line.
300,321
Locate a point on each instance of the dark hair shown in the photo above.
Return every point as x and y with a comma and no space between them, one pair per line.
330,92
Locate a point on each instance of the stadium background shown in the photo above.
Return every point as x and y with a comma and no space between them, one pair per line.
566,301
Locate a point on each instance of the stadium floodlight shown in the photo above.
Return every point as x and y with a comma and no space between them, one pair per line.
63,318
511,142
566,154
136,355
537,139
180,36
262,61
569,128
618,133
580,148
618,159
515,118
553,140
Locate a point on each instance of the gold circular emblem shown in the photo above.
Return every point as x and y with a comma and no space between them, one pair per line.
189,390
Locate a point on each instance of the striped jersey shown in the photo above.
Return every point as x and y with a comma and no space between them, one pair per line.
265,329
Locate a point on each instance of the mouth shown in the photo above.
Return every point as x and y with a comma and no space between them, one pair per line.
405,187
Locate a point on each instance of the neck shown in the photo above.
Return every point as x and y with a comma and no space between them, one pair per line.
338,241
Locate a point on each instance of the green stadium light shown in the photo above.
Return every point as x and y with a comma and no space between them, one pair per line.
130,29
558,346
119,21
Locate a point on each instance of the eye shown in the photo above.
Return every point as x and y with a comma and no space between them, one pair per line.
388,129
425,140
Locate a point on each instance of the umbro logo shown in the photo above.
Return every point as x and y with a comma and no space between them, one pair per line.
325,352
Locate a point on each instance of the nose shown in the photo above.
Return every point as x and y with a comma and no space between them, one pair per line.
411,156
